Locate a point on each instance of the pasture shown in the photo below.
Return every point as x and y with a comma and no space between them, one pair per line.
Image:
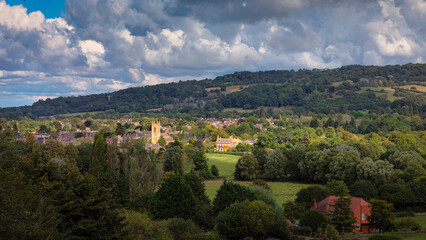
283,191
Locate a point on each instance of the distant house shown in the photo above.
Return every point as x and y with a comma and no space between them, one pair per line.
360,210
223,144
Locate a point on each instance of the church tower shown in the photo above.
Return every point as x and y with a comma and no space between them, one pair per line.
155,132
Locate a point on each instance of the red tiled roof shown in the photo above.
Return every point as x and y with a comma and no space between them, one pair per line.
325,205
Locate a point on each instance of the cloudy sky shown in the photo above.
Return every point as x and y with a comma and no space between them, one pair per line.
51,48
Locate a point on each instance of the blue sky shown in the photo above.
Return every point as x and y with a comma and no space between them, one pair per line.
49,8
77,47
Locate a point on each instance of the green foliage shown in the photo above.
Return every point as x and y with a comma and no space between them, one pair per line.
229,193
194,180
343,167
382,216
306,196
254,219
275,166
341,217
313,219
262,183
199,161
140,226
263,194
162,141
99,155
364,189
181,228
174,159
174,198
331,232
247,168
408,224
337,188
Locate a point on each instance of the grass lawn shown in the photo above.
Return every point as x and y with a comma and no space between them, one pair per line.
224,163
421,220
420,236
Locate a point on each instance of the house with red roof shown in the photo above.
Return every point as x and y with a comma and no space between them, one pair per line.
360,210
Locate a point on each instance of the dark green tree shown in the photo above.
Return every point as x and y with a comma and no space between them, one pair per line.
313,219
247,168
306,196
229,193
174,198
275,166
337,188
341,217
200,161
364,189
98,162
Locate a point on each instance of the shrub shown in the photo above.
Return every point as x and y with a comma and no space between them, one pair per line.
252,219
408,223
313,219
262,183
331,232
214,171
181,228
140,226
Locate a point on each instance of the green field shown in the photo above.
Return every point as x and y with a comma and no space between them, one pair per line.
420,236
283,191
225,163
382,91
420,220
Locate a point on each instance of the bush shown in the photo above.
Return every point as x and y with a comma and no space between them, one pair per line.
181,228
331,232
140,226
409,224
262,183
254,219
313,219
214,171
384,237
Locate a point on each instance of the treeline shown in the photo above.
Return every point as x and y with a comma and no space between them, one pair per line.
303,91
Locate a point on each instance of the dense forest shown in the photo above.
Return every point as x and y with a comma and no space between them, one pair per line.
350,88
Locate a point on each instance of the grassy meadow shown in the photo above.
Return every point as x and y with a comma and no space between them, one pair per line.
283,191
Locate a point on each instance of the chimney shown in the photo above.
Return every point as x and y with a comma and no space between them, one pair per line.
315,204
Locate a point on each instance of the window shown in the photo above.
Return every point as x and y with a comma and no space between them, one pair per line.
363,216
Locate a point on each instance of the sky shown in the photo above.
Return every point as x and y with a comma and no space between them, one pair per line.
51,48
